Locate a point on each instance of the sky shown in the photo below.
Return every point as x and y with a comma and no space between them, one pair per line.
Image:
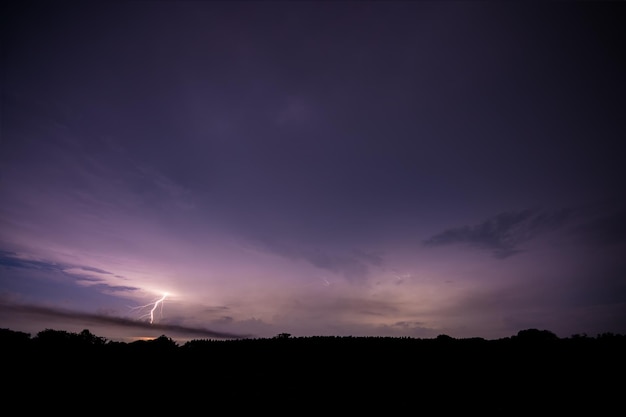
238,169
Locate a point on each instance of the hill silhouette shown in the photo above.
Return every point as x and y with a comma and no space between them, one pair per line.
532,371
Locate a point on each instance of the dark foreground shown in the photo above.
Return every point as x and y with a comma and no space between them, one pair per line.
533,372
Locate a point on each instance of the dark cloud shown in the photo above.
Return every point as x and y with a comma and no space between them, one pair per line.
352,268
504,233
12,260
373,258
79,316
98,270
607,229
354,265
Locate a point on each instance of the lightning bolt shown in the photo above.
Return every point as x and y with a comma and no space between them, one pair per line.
154,305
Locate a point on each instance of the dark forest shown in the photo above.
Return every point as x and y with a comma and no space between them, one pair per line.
532,371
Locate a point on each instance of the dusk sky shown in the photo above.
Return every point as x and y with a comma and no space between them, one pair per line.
315,168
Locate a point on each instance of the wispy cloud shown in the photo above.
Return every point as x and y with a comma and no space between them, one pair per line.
503,234
354,265
14,260
79,274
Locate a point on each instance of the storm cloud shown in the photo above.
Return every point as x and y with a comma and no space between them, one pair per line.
314,168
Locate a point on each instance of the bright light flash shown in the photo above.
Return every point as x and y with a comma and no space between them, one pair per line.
154,305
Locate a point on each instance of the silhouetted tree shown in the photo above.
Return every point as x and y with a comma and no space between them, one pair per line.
444,338
535,335
164,342
13,341
53,338
12,336
88,338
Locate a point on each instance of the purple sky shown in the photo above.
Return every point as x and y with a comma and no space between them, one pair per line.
323,168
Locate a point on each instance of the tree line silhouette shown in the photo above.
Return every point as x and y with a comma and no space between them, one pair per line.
533,369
